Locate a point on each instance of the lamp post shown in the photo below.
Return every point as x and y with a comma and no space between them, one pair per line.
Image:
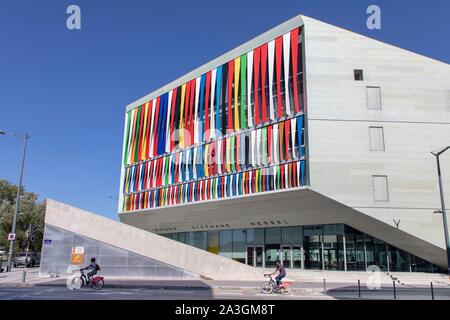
444,214
16,210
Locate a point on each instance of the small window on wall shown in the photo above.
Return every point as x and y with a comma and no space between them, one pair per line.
373,98
359,75
380,188
376,136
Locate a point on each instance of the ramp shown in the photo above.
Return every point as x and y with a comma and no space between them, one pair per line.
125,251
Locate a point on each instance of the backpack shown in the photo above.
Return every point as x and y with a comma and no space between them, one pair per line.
97,267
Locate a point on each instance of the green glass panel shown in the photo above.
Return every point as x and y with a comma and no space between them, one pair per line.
243,90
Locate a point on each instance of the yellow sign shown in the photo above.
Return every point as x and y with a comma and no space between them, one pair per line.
77,256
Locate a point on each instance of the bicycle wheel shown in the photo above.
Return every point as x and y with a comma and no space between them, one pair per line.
266,287
98,284
286,289
77,283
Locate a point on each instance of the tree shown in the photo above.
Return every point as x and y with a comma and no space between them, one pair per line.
31,210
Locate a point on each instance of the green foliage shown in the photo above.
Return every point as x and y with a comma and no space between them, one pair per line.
30,211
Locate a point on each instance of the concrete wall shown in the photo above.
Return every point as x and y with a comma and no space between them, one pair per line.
415,116
145,244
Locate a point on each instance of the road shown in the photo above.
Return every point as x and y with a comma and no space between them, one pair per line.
62,293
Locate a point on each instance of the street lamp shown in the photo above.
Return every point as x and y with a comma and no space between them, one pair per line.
444,214
16,210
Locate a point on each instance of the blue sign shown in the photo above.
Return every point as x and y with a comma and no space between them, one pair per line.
47,241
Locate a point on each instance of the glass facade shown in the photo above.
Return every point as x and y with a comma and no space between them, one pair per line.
237,130
226,243
114,261
317,247
239,241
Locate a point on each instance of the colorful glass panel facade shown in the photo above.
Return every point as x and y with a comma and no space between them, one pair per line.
236,130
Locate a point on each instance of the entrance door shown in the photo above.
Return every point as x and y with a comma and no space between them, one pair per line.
259,257
255,256
297,257
250,258
291,256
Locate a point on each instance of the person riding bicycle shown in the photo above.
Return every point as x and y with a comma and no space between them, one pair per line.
94,267
281,273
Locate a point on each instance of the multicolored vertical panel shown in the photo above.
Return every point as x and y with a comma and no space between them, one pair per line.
236,130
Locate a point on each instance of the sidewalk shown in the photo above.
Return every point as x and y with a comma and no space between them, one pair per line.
135,284
15,276
299,288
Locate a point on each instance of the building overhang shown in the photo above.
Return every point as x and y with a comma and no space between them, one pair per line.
288,208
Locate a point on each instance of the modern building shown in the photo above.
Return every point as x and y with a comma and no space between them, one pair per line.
309,144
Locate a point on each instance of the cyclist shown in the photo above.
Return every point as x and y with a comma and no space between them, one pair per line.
281,273
94,267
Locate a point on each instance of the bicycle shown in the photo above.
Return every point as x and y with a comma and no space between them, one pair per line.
270,286
96,283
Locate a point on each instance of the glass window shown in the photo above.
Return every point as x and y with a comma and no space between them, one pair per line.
376,253
359,75
239,240
213,242
200,240
182,237
420,265
291,235
226,243
273,235
190,238
255,236
333,229
333,252
399,260
354,242
272,255
312,246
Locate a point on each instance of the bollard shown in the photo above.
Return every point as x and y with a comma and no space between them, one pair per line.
432,291
324,287
395,292
24,275
359,288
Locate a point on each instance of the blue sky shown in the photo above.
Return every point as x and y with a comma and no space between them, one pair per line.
69,89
